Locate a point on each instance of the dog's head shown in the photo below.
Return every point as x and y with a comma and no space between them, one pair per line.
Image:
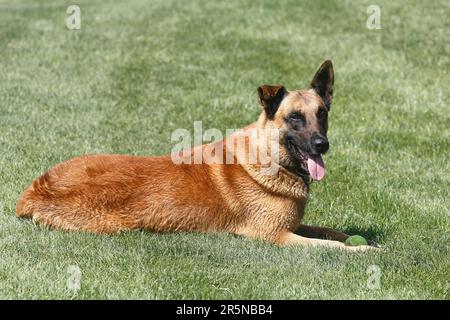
301,118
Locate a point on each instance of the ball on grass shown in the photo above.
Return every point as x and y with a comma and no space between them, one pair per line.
356,241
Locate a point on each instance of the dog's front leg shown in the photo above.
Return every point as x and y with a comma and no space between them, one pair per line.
321,233
290,238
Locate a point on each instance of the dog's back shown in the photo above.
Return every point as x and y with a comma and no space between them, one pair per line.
85,193
112,193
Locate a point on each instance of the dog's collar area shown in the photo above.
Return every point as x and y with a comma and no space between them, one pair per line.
284,181
296,176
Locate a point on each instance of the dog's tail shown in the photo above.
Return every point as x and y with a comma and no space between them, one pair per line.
24,209
32,196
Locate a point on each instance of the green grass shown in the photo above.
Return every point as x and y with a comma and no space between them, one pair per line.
138,70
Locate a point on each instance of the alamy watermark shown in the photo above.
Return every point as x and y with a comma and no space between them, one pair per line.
73,20
374,277
243,146
374,20
73,282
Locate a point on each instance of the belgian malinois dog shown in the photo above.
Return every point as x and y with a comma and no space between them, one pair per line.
113,193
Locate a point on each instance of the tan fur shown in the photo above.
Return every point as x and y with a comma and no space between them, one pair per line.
113,193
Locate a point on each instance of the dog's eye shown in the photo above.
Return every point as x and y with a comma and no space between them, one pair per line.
295,116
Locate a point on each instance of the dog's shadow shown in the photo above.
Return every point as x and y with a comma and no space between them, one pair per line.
372,234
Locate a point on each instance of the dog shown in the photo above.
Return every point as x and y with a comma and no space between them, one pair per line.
114,193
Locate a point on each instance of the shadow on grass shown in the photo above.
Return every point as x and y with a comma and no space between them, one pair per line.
372,234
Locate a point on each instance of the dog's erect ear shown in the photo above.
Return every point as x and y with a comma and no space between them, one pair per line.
323,82
270,98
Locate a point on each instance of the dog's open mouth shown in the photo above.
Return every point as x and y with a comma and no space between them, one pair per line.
313,163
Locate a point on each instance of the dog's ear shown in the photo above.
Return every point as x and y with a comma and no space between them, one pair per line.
323,82
270,98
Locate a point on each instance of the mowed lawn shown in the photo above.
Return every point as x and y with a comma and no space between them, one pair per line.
138,70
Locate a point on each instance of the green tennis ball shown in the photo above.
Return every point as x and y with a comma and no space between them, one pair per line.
356,241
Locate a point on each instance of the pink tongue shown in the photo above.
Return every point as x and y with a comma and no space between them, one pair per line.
316,167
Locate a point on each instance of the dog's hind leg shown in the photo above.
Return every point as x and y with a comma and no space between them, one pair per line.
74,210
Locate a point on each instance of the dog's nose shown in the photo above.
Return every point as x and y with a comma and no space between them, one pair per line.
320,144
